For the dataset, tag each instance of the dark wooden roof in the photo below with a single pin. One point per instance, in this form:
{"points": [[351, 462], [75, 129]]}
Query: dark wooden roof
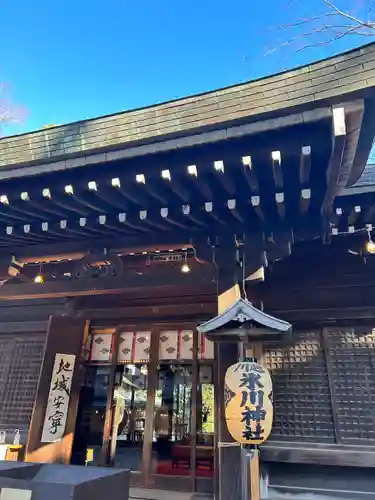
{"points": [[309, 87], [266, 158], [366, 179]]}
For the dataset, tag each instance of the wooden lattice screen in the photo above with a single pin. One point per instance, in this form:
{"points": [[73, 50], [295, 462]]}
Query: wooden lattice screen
{"points": [[351, 364], [301, 390], [20, 364]]}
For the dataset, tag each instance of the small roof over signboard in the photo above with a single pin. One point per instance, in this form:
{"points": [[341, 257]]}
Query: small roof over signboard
{"points": [[243, 319]]}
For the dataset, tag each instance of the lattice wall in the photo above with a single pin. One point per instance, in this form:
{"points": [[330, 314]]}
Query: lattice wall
{"points": [[301, 390], [351, 360], [6, 346], [20, 364]]}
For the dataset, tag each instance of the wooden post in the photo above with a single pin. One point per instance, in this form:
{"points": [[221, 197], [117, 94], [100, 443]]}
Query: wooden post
{"points": [[253, 451], [150, 410], [227, 451], [108, 430], [232, 481], [253, 473], [194, 420], [65, 337]]}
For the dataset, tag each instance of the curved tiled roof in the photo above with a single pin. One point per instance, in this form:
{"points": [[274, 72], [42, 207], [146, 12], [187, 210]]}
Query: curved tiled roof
{"points": [[327, 81]]}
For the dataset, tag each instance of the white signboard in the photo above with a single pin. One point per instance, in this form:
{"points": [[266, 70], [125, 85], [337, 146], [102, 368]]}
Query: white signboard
{"points": [[58, 399]]}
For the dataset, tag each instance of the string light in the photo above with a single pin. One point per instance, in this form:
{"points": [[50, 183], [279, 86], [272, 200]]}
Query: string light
{"points": [[39, 278], [185, 266], [370, 245]]}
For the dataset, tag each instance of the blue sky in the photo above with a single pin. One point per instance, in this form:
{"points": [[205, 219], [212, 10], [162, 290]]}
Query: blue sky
{"points": [[75, 59]]}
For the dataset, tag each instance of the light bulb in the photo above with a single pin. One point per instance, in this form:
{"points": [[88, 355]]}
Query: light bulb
{"points": [[370, 247], [185, 268], [38, 279]]}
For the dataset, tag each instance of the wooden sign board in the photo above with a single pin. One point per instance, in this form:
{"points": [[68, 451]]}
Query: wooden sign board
{"points": [[58, 399], [248, 402]]}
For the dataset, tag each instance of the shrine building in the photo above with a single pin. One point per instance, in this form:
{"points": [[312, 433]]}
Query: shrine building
{"points": [[120, 235]]}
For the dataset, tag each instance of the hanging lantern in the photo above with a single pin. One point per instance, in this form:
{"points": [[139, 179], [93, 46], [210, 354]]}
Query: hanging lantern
{"points": [[248, 402]]}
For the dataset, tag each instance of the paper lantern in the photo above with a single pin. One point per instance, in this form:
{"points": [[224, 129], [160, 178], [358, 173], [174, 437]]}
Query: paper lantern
{"points": [[248, 402]]}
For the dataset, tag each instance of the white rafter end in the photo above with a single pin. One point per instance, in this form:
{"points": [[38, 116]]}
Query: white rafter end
{"points": [[306, 194], [166, 174], [255, 201], [279, 197], [339, 127]]}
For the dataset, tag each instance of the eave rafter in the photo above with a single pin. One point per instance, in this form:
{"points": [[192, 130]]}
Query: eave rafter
{"points": [[347, 124], [209, 195], [353, 211], [259, 176]]}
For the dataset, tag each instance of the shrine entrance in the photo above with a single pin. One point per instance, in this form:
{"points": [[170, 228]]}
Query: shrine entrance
{"points": [[149, 406]]}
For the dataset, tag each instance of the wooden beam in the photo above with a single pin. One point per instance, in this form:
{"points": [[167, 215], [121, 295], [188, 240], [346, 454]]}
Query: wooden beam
{"points": [[255, 203], [254, 253], [133, 313], [222, 176], [232, 206], [196, 181], [369, 215], [334, 167], [95, 286], [277, 170], [280, 204], [310, 453], [153, 193], [325, 317], [249, 175], [335, 218], [279, 244], [354, 214], [108, 420], [227, 453], [13, 327], [121, 245], [305, 200], [175, 186], [152, 386], [305, 166]]}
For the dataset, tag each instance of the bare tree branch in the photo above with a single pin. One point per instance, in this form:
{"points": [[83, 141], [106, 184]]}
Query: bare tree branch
{"points": [[354, 19], [9, 112], [327, 27]]}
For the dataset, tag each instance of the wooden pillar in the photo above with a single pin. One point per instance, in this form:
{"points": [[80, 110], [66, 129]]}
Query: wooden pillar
{"points": [[227, 451], [146, 465], [65, 336], [253, 462], [108, 437], [194, 414]]}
